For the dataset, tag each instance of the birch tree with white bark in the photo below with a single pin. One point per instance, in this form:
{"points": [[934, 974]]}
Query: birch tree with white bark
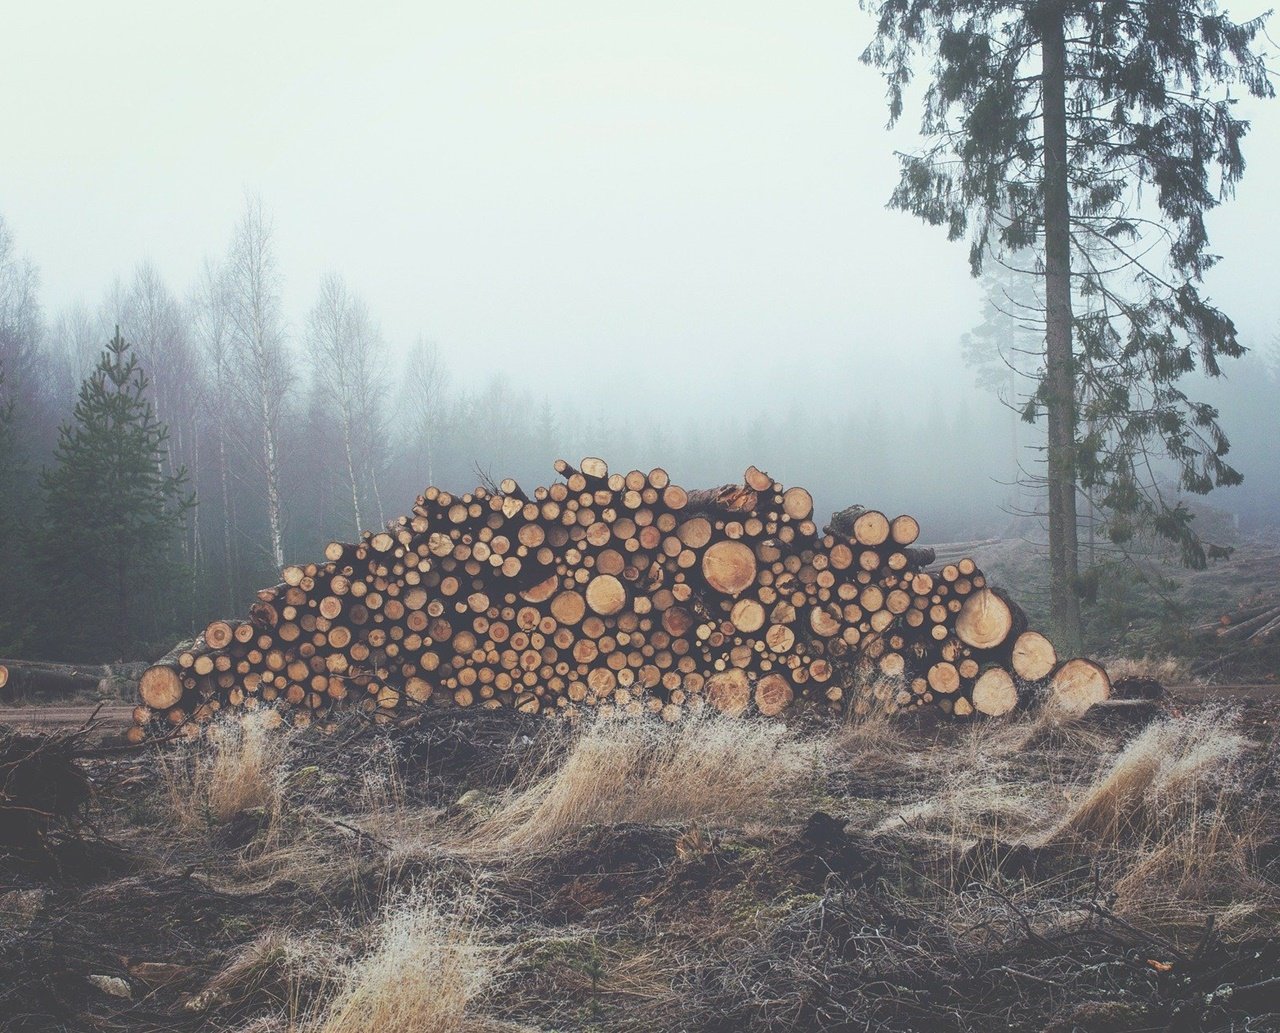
{"points": [[348, 363], [263, 370]]}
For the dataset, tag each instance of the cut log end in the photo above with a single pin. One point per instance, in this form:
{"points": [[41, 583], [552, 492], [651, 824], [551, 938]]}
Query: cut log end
{"points": [[729, 567], [773, 695], [1033, 656], [1077, 685], [160, 687], [985, 620], [994, 693], [729, 692]]}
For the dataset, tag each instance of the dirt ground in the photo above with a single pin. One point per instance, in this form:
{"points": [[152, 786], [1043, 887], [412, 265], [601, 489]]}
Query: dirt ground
{"points": [[1105, 874]]}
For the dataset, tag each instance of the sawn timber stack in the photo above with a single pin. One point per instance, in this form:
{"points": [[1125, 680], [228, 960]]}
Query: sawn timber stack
{"points": [[625, 592]]}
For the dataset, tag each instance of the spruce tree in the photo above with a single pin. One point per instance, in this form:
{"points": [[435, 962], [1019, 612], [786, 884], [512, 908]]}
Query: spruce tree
{"points": [[1094, 135], [112, 516]]}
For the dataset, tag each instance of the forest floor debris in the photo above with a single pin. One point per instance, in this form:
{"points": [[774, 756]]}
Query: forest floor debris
{"points": [[490, 871]]}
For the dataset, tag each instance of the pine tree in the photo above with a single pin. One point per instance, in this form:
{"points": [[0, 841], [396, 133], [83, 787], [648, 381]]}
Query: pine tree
{"points": [[1095, 135], [112, 515]]}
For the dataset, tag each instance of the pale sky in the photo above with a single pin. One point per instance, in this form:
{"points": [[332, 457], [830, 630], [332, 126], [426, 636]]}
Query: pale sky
{"points": [[561, 190]]}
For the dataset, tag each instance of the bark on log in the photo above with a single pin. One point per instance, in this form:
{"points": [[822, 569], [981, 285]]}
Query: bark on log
{"points": [[863, 525]]}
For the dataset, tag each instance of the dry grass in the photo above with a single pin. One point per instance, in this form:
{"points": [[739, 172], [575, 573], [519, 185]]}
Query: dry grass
{"points": [[1181, 832], [1171, 772], [719, 771], [236, 767], [277, 970], [422, 974]]}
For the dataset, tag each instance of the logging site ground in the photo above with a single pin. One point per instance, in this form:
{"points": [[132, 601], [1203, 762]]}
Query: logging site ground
{"points": [[686, 762], [488, 870]]}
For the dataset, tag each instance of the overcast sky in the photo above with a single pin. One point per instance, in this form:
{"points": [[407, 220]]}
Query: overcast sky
{"points": [[553, 189]]}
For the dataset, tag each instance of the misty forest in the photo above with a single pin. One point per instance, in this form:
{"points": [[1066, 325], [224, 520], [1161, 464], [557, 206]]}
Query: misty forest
{"points": [[287, 430], [734, 519]]}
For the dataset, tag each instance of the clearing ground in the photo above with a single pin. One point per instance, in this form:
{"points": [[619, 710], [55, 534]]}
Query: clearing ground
{"points": [[492, 871]]}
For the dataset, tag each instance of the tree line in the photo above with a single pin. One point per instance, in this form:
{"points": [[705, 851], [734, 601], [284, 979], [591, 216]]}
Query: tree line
{"points": [[1078, 146], [279, 432]]}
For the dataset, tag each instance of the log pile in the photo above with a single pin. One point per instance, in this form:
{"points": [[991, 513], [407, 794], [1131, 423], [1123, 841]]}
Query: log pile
{"points": [[621, 592], [1252, 622]]}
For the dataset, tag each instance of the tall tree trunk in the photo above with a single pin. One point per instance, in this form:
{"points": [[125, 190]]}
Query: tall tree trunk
{"points": [[273, 485], [377, 493], [351, 472], [228, 520], [1060, 371], [197, 543]]}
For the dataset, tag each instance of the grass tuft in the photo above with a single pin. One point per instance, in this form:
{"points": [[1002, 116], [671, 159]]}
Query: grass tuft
{"points": [[236, 767], [424, 970], [720, 771], [1172, 770]]}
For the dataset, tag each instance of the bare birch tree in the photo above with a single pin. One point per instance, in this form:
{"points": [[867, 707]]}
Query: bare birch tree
{"points": [[425, 381], [263, 372], [348, 365]]}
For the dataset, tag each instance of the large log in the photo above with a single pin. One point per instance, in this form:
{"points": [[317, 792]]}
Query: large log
{"points": [[1077, 685], [23, 678], [863, 525], [1033, 656], [988, 619]]}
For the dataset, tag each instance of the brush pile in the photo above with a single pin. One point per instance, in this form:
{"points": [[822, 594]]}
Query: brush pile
{"points": [[42, 789], [625, 592]]}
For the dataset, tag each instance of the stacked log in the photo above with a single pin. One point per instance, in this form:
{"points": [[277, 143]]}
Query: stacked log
{"points": [[621, 592]]}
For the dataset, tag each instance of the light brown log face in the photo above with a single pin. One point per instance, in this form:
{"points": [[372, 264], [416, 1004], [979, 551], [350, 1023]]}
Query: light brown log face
{"points": [[695, 532], [729, 567], [984, 621], [217, 635], [729, 692], [1033, 656], [160, 687], [994, 693], [944, 678], [542, 591], [606, 595], [1078, 684], [747, 615], [904, 529], [757, 480], [773, 694], [568, 608], [797, 503], [871, 528], [594, 468]]}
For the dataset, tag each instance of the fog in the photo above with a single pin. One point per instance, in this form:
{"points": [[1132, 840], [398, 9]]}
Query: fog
{"points": [[663, 231]]}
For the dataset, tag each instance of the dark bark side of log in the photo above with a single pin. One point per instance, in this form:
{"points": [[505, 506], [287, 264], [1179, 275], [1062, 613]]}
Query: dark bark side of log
{"points": [[27, 679], [920, 556]]}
